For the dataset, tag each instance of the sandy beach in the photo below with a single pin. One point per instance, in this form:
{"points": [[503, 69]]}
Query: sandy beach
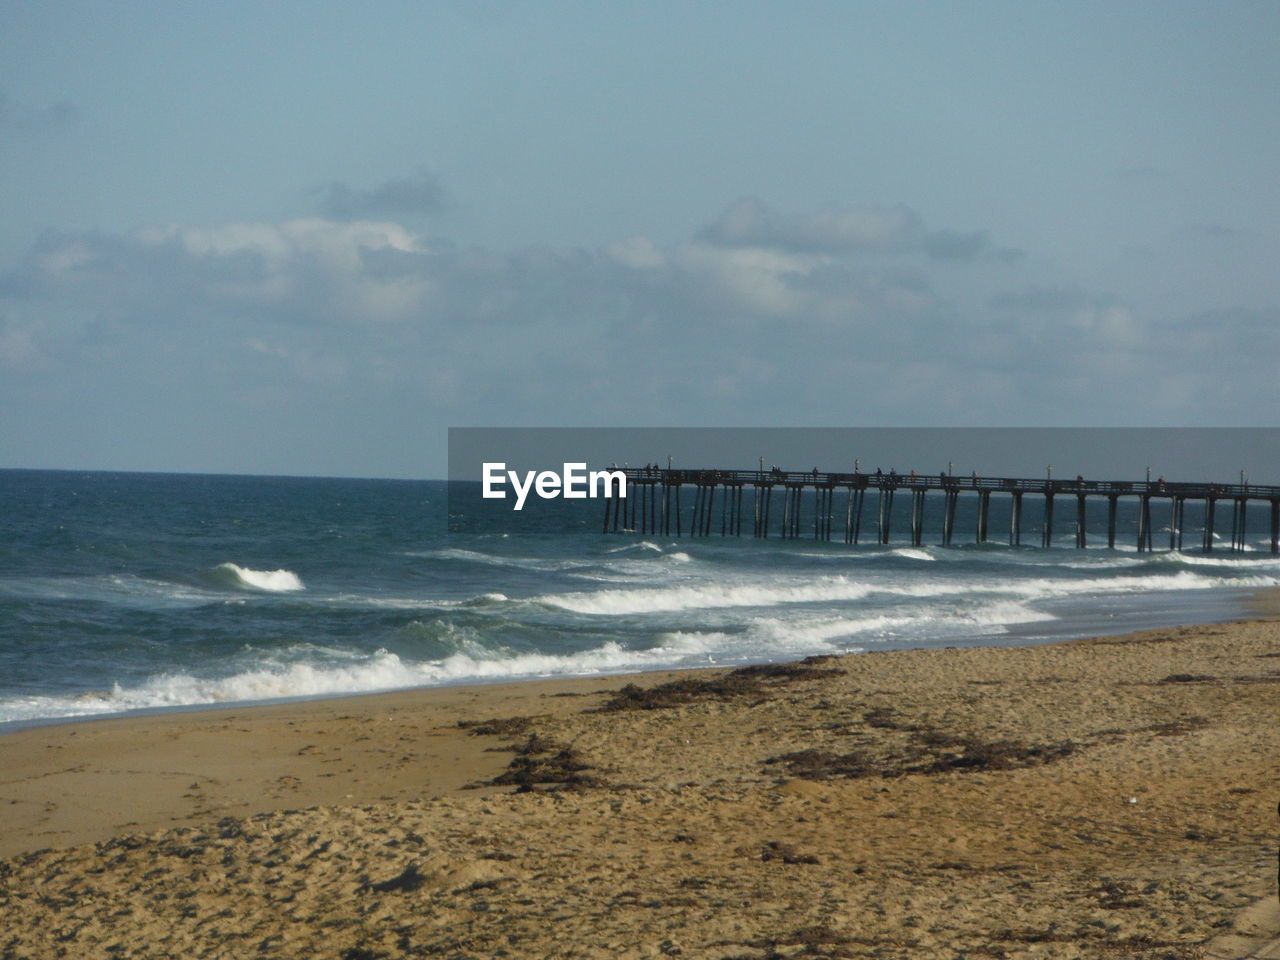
{"points": [[1102, 798]]}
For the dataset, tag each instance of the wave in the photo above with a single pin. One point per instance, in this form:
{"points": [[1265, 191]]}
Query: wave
{"points": [[1182, 579], [270, 581], [462, 555], [805, 635], [911, 553], [365, 673], [131, 590], [122, 589], [650, 551], [645, 600], [1203, 560], [962, 611], [999, 614], [306, 671], [707, 596], [633, 547], [922, 623]]}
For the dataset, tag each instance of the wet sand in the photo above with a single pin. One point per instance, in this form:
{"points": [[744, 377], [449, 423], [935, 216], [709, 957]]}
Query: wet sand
{"points": [[1103, 798]]}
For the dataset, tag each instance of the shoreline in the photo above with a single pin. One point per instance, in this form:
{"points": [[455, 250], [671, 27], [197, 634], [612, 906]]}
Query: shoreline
{"points": [[171, 767], [1240, 603], [1093, 797], [145, 742]]}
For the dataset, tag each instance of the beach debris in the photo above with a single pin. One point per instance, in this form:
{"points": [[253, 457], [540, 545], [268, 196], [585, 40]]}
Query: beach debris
{"points": [[406, 881], [757, 680], [926, 752], [499, 726], [363, 953], [823, 765], [776, 850], [544, 763]]}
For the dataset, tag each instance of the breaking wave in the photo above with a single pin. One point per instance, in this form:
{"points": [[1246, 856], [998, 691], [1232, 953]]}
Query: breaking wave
{"points": [[317, 677], [707, 596], [271, 581]]}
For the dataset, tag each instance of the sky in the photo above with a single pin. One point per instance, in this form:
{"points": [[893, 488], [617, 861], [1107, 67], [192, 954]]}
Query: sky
{"points": [[308, 238]]}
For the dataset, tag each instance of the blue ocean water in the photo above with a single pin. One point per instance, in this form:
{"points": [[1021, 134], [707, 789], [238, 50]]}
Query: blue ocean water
{"points": [[121, 592]]}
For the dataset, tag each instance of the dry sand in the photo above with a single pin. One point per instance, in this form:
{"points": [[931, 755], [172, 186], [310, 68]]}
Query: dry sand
{"points": [[1105, 798]]}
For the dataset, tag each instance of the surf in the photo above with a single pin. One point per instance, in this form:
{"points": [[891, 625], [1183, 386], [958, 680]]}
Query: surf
{"points": [[267, 581]]}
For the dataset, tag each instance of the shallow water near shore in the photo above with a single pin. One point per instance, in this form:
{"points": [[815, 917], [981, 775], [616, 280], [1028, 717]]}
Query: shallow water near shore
{"points": [[121, 592]]}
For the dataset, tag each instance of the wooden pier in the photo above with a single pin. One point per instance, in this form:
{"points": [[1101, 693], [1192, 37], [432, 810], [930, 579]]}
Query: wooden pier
{"points": [[838, 501]]}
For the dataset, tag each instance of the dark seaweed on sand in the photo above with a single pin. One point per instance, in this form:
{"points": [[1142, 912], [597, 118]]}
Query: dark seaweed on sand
{"points": [[498, 726], [929, 753], [545, 763], [754, 681]]}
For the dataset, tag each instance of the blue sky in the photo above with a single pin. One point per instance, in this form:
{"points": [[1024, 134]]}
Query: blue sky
{"points": [[307, 238]]}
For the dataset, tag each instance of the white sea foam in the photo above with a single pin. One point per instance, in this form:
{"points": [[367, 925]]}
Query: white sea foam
{"points": [[272, 581], [1001, 613], [827, 589], [1180, 579], [911, 553], [706, 596], [790, 636], [455, 554], [923, 622], [1203, 560], [381, 670], [379, 602]]}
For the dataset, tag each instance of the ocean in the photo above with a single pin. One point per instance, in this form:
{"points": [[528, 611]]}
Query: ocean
{"points": [[125, 592]]}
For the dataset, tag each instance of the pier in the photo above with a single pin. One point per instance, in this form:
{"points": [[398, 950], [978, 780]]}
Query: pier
{"points": [[819, 505]]}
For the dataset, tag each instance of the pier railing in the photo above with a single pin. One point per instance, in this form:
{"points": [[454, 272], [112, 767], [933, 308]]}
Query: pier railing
{"points": [[647, 512], [945, 481]]}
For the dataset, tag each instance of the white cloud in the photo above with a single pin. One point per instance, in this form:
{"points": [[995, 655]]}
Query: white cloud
{"points": [[292, 259], [749, 278], [337, 243], [847, 231], [807, 326]]}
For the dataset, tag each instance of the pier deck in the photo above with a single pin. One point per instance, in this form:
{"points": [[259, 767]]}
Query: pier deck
{"points": [[653, 504]]}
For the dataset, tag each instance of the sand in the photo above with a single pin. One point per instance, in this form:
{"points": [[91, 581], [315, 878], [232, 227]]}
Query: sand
{"points": [[1103, 798]]}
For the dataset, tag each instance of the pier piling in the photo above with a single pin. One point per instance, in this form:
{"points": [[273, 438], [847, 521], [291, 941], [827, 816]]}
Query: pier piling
{"points": [[917, 517]]}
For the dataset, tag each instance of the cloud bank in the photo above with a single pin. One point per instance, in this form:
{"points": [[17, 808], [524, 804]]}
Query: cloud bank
{"points": [[319, 327]]}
